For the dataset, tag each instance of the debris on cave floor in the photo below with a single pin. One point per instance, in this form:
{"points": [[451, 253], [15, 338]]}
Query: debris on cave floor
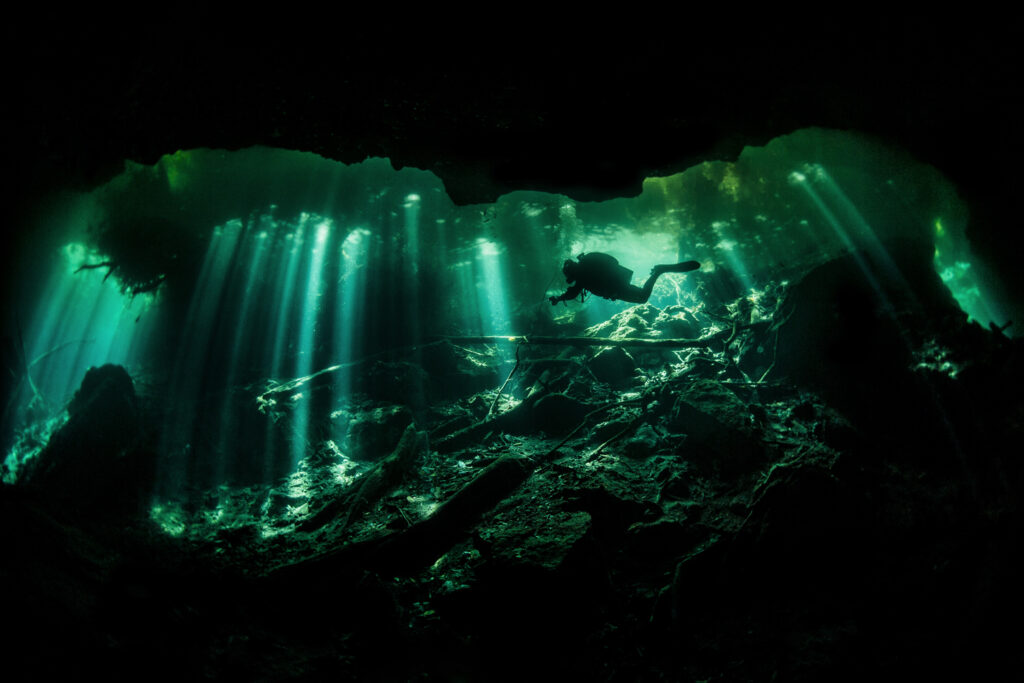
{"points": [[678, 435], [593, 498], [665, 428]]}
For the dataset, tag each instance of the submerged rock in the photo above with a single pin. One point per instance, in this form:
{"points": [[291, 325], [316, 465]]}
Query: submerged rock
{"points": [[675, 322], [716, 424], [374, 433], [92, 460], [457, 371], [613, 365], [557, 413], [542, 540], [643, 443], [856, 320]]}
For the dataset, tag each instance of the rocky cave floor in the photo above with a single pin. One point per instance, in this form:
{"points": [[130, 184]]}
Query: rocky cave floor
{"points": [[795, 496]]}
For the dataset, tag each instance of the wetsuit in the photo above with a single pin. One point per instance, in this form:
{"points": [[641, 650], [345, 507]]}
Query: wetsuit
{"points": [[602, 275]]}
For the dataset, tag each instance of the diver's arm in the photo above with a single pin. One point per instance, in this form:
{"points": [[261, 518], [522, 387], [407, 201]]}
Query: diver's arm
{"points": [[569, 295]]}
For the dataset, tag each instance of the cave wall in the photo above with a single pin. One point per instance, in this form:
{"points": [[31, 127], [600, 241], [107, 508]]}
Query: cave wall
{"points": [[530, 102]]}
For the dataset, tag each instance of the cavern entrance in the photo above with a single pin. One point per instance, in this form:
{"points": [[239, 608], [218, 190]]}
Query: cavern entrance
{"points": [[285, 310]]}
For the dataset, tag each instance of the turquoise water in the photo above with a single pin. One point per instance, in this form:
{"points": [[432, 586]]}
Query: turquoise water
{"points": [[230, 270]]}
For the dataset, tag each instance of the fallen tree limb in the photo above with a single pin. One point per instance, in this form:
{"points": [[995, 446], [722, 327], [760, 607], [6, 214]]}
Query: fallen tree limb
{"points": [[775, 355], [505, 383], [22, 371], [407, 552], [552, 452], [504, 421], [618, 435], [630, 342], [373, 485], [110, 265], [59, 347], [420, 545]]}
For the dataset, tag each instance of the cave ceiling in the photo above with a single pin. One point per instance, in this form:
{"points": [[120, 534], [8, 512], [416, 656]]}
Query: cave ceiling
{"points": [[546, 105]]}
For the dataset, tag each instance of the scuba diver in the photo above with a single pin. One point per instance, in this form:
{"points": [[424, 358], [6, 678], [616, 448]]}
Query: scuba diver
{"points": [[601, 274]]}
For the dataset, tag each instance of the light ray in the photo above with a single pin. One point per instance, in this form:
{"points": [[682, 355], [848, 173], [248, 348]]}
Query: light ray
{"points": [[349, 307], [283, 306], [254, 251], [490, 287], [179, 448], [307, 330]]}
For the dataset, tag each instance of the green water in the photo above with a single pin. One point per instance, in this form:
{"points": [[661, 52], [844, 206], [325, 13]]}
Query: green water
{"points": [[214, 270]]}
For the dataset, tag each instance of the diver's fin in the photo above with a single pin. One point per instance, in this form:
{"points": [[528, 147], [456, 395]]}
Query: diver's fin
{"points": [[684, 267]]}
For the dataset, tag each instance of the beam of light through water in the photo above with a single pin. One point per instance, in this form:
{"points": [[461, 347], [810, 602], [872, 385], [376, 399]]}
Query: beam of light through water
{"points": [[412, 233], [951, 264], [254, 253], [306, 342], [840, 232], [81, 320], [282, 307], [868, 241], [467, 309], [729, 249], [862, 233], [349, 308], [490, 290], [410, 298], [187, 383]]}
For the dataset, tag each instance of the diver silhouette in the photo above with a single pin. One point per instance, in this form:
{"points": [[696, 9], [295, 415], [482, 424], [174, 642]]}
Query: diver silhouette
{"points": [[602, 275]]}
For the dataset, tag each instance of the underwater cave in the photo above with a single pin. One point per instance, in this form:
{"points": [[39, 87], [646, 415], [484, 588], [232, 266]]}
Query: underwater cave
{"points": [[270, 415]]}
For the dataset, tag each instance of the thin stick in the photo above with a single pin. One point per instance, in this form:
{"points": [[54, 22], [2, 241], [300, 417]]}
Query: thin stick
{"points": [[631, 342], [505, 383], [25, 365], [105, 264], [57, 348], [617, 436], [583, 422], [775, 354]]}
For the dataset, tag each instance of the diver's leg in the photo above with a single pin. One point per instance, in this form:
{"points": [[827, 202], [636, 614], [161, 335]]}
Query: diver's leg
{"points": [[642, 294], [637, 295]]}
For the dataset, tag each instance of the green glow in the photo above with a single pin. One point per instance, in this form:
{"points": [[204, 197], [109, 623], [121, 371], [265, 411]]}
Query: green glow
{"points": [[350, 305], [177, 168], [954, 264], [27, 445], [294, 264], [309, 318], [81, 320], [170, 517], [492, 302]]}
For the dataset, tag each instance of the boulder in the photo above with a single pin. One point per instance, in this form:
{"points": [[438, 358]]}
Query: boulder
{"points": [[675, 322], [542, 540], [457, 372], [93, 460], [557, 413], [643, 443], [856, 320], [374, 433], [613, 365]]}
